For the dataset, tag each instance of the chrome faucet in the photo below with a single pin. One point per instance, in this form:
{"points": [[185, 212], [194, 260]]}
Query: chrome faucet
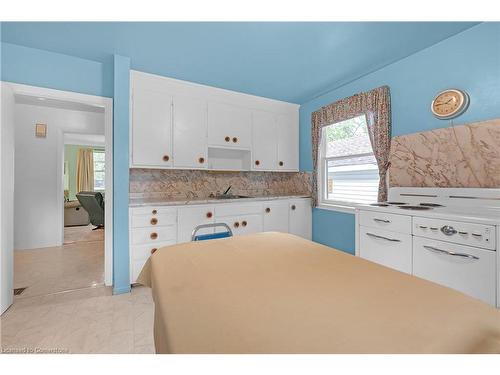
{"points": [[227, 190]]}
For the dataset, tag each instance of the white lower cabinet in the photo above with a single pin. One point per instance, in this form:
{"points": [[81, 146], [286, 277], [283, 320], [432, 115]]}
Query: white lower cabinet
{"points": [[387, 248], [152, 228], [140, 254], [244, 224], [192, 216], [467, 269], [300, 218], [276, 216]]}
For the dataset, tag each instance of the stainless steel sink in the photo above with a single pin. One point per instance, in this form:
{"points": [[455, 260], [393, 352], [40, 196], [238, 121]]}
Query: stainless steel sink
{"points": [[231, 196]]}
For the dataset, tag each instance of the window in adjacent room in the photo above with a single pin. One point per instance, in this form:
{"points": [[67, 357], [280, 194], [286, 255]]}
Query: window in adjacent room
{"points": [[349, 172], [99, 165]]}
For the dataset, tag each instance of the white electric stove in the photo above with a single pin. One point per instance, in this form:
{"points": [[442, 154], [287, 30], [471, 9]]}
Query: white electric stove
{"points": [[446, 235]]}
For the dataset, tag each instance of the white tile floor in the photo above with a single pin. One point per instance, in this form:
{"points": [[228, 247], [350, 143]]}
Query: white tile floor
{"points": [[67, 309], [90, 320]]}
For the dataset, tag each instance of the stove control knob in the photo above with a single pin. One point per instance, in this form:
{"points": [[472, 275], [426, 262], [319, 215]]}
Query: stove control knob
{"points": [[448, 230]]}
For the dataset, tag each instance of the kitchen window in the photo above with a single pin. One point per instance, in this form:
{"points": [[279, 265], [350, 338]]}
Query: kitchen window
{"points": [[348, 171], [99, 166]]}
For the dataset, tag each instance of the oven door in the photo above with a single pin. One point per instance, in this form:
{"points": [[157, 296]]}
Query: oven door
{"points": [[467, 269]]}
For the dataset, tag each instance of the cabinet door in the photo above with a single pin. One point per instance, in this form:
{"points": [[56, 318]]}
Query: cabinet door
{"points": [[151, 128], [229, 126], [288, 142], [300, 218], [264, 141], [190, 132], [276, 216], [190, 217]]}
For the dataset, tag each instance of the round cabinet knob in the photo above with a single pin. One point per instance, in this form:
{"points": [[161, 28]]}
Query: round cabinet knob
{"points": [[235, 139], [154, 212], [153, 236], [227, 139], [293, 207], [153, 250], [281, 163], [209, 215], [268, 210], [166, 158], [154, 221], [244, 223], [257, 162], [201, 160], [236, 224]]}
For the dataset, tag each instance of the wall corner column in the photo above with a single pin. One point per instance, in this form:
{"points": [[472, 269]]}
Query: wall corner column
{"points": [[121, 102]]}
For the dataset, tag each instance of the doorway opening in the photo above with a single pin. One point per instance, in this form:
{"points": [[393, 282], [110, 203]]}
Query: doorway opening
{"points": [[62, 209]]}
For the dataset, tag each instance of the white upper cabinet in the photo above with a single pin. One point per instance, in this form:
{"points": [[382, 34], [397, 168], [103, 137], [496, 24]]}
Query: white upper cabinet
{"points": [[264, 141], [190, 132], [151, 128], [288, 142], [178, 124], [229, 125]]}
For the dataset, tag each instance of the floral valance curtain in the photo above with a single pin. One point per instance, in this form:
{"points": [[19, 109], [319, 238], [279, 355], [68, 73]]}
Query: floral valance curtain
{"points": [[376, 105]]}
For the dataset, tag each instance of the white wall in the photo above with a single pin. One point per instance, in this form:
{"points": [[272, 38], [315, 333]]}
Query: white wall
{"points": [[38, 196], [6, 195]]}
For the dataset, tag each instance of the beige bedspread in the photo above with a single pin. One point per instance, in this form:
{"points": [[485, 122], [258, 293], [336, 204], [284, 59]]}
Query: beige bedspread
{"points": [[277, 293]]}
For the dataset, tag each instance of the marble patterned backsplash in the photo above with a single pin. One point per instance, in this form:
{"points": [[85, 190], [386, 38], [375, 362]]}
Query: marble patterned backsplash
{"points": [[191, 184], [459, 156]]}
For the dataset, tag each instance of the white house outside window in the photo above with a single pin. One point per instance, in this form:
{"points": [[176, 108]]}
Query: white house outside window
{"points": [[99, 167], [348, 169]]}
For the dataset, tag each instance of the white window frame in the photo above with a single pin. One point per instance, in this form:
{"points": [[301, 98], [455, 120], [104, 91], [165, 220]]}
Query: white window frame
{"points": [[104, 170], [326, 204]]}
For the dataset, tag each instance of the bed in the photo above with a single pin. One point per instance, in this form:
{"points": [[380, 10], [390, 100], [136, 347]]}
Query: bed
{"points": [[278, 293]]}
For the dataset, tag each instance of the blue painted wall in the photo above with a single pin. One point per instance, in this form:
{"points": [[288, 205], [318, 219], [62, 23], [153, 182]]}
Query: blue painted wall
{"points": [[37, 67], [469, 60], [111, 79], [121, 89]]}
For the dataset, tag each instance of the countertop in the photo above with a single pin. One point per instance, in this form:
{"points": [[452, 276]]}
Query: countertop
{"points": [[139, 202]]}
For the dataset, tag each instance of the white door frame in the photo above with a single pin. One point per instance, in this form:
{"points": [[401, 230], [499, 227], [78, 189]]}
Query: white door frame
{"points": [[6, 197], [107, 105]]}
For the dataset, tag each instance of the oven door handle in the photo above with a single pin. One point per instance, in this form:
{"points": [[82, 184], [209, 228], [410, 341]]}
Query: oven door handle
{"points": [[382, 237], [381, 220], [441, 251]]}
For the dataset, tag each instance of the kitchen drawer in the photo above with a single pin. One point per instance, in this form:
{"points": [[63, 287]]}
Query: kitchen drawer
{"points": [[238, 208], [149, 220], [153, 235], [244, 224], [464, 268], [144, 251], [388, 248], [136, 268], [385, 221], [153, 210]]}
